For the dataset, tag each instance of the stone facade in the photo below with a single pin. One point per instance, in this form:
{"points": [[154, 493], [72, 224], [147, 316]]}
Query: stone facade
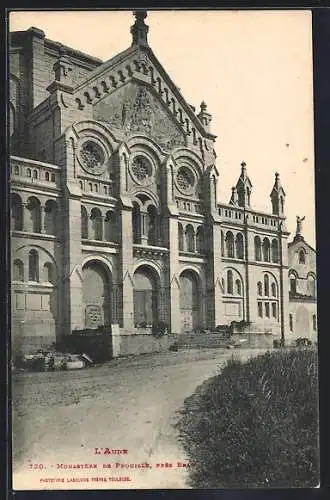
{"points": [[115, 217]]}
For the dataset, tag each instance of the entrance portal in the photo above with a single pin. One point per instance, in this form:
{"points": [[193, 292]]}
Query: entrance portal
{"points": [[189, 302], [145, 297], [96, 295]]}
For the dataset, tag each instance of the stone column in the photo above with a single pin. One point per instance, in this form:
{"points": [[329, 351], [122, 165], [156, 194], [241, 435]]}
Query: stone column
{"points": [[126, 312], [144, 227]]}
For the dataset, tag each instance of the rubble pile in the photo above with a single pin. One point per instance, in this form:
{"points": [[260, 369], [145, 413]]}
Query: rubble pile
{"points": [[51, 360]]}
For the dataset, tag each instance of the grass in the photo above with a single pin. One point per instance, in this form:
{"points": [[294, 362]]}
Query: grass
{"points": [[255, 424]]}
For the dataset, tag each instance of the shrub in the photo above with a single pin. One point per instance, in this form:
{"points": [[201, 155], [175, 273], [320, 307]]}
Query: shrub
{"points": [[255, 424]]}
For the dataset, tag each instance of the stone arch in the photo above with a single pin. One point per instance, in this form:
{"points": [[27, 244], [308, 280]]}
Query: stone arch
{"points": [[185, 155], [34, 214], [110, 226], [190, 300], [18, 270], [96, 224], [275, 251], [230, 246], [190, 238], [51, 217], [311, 284], [16, 212], [200, 239], [146, 295], [141, 144], [266, 249], [301, 256], [239, 244], [257, 248], [180, 237], [97, 288], [293, 278]]}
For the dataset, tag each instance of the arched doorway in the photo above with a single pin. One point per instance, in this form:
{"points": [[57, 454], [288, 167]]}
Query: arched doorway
{"points": [[145, 297], [190, 302], [96, 294]]}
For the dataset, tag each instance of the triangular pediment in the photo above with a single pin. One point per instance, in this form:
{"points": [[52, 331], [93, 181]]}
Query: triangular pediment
{"points": [[135, 108], [139, 64]]}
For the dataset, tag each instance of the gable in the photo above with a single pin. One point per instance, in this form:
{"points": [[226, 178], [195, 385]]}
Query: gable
{"points": [[132, 109]]}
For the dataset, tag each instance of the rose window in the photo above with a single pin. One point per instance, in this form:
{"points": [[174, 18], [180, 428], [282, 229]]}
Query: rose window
{"points": [[185, 179], [141, 168], [91, 156]]}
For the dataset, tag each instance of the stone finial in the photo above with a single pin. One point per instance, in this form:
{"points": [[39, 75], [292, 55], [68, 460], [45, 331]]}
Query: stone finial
{"points": [[204, 117], [139, 30], [277, 196]]}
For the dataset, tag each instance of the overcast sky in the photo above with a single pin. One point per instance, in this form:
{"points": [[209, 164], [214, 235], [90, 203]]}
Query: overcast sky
{"points": [[253, 69]]}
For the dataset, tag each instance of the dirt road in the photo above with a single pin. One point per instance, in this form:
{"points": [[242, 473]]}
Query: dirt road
{"points": [[60, 418]]}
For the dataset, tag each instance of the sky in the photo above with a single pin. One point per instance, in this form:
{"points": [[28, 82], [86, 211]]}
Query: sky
{"points": [[252, 68]]}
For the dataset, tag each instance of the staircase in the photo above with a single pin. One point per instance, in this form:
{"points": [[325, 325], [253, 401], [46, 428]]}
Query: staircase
{"points": [[201, 340]]}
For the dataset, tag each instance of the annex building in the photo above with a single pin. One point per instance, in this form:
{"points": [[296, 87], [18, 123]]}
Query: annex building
{"points": [[114, 212]]}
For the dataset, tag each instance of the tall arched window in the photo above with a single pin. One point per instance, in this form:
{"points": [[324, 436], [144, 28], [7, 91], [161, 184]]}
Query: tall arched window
{"points": [[200, 239], [181, 237], [302, 257], [152, 225], [266, 285], [311, 287], [18, 270], [222, 245], [293, 283], [274, 294], [275, 252], [84, 223], [230, 285], [16, 213], [239, 246], [50, 217], [110, 232], [290, 322], [33, 266], [190, 238], [259, 288], [136, 223], [238, 286], [48, 272], [34, 211], [257, 248], [266, 250], [97, 224], [230, 250]]}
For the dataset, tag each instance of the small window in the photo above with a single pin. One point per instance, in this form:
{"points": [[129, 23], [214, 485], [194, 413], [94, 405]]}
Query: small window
{"points": [[230, 282], [302, 257], [259, 288], [35, 174], [290, 322], [267, 309], [274, 294], [260, 309], [16, 170], [238, 287], [33, 266], [274, 310], [28, 172], [53, 177], [47, 176]]}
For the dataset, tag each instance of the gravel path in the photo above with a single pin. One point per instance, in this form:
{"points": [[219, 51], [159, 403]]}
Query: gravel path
{"points": [[127, 404]]}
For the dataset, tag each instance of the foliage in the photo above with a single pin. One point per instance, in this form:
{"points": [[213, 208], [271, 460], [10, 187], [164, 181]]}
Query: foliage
{"points": [[255, 424]]}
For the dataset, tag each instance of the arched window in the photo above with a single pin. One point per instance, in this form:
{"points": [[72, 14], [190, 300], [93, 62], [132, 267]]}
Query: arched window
{"points": [[110, 230], [230, 250], [266, 285], [290, 322], [136, 223], [81, 184], [259, 288], [223, 285], [181, 237], [222, 245], [53, 177], [152, 225], [34, 211], [293, 283], [311, 287], [275, 252], [200, 239], [238, 287], [314, 322], [48, 273], [274, 294], [230, 286], [28, 172], [33, 266], [267, 312], [302, 257], [190, 238], [257, 248], [97, 224], [18, 270], [47, 176], [239, 246], [266, 250], [50, 221], [84, 223], [35, 174], [16, 213], [260, 309]]}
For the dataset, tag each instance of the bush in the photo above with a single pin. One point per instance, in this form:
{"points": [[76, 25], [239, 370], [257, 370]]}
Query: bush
{"points": [[255, 424]]}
